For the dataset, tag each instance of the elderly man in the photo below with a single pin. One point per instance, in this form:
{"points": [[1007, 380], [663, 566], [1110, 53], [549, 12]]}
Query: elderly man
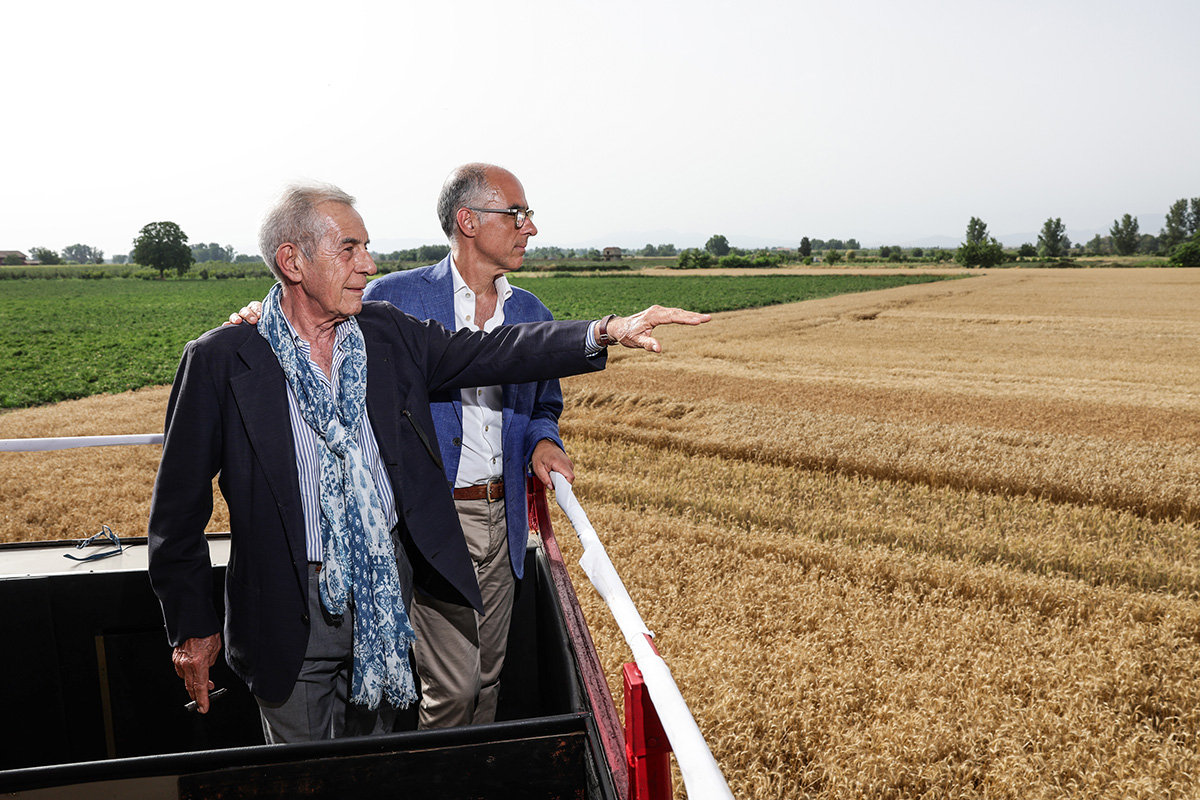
{"points": [[488, 435], [336, 494]]}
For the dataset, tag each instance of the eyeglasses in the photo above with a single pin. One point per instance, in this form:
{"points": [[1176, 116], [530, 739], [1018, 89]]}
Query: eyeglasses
{"points": [[519, 214], [105, 533]]}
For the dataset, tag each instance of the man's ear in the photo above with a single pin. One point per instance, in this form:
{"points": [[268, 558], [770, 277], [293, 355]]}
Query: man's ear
{"points": [[465, 219], [288, 258]]}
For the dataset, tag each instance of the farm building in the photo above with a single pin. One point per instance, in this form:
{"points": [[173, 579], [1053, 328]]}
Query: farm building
{"points": [[612, 254], [11, 256]]}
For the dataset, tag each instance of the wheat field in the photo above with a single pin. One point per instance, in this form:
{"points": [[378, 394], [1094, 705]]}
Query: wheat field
{"points": [[937, 541]]}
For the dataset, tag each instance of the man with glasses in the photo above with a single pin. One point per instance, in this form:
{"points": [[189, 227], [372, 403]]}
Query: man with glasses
{"points": [[488, 435], [336, 494]]}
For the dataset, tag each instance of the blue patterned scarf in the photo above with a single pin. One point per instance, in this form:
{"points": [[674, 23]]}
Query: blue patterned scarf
{"points": [[359, 561]]}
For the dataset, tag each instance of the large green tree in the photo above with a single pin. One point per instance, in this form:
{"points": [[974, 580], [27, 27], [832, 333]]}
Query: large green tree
{"points": [[718, 245], [1053, 241], [163, 246], [1125, 235], [1175, 231], [977, 232], [979, 249], [805, 247]]}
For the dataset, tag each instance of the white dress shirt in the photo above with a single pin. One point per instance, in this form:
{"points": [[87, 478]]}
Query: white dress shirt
{"points": [[482, 406]]}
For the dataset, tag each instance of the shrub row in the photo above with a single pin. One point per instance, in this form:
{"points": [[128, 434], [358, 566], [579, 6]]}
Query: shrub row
{"points": [[202, 271]]}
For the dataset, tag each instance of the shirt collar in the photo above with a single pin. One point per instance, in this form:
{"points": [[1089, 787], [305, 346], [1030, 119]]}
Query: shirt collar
{"points": [[340, 332], [503, 287]]}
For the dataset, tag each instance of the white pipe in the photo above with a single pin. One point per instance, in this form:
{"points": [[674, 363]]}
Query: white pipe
{"points": [[65, 442], [702, 777]]}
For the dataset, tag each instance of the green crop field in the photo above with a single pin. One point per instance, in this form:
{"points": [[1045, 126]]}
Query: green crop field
{"points": [[64, 339], [73, 338]]}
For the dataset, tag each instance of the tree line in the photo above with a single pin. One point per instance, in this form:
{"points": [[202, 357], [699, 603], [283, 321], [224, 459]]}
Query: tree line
{"points": [[718, 252], [163, 246], [1179, 240], [159, 234], [71, 254]]}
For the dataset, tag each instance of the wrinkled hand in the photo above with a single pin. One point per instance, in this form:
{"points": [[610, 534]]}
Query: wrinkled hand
{"points": [[635, 331], [548, 457], [192, 661], [250, 313]]}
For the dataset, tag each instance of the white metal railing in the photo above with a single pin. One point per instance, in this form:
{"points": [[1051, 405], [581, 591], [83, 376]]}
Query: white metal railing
{"points": [[702, 777], [66, 442]]}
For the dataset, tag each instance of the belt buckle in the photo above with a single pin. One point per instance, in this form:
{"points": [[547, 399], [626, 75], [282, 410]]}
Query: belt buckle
{"points": [[488, 492]]}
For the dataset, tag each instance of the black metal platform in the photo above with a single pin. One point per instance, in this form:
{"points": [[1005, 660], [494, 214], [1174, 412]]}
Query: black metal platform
{"points": [[92, 707]]}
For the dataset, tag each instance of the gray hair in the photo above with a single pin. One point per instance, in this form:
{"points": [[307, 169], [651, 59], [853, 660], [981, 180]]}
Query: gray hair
{"points": [[294, 219], [465, 187]]}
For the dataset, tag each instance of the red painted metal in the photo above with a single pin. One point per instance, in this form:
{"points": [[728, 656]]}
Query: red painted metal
{"points": [[646, 746], [599, 695]]}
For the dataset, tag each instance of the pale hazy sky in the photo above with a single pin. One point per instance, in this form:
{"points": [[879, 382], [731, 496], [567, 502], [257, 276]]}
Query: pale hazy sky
{"points": [[628, 122]]}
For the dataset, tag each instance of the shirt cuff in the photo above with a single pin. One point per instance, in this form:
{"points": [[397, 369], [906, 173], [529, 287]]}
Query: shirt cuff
{"points": [[591, 348]]}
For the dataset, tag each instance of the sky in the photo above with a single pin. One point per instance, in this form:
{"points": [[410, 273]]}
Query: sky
{"points": [[627, 122]]}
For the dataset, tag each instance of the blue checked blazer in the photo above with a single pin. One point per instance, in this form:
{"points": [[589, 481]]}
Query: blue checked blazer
{"points": [[531, 410]]}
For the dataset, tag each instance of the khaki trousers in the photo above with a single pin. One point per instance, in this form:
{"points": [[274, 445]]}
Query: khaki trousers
{"points": [[459, 652]]}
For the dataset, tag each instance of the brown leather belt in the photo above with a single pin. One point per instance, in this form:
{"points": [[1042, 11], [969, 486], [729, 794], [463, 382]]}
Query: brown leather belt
{"points": [[491, 491]]}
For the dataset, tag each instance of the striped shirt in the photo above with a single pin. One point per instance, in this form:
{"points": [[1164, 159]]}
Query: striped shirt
{"points": [[309, 448]]}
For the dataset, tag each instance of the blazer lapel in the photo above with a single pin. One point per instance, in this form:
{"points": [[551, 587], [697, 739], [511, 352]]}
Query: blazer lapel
{"points": [[261, 395], [438, 296], [383, 406]]}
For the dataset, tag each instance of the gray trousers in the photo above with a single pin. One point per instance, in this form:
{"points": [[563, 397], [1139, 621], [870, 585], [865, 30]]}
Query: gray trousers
{"points": [[460, 653], [318, 707]]}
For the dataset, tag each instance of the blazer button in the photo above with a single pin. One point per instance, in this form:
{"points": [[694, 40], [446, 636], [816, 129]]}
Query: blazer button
{"points": [[457, 441], [304, 618]]}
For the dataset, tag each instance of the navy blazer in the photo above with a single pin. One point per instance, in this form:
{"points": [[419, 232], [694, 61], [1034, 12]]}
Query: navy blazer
{"points": [[228, 416], [530, 410]]}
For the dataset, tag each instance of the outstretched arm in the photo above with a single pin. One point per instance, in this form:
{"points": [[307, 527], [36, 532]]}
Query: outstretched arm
{"points": [[631, 331], [635, 331]]}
